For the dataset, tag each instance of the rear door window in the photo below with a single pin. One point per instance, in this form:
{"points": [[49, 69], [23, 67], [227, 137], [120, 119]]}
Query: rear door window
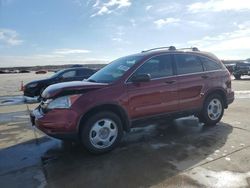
{"points": [[188, 63], [210, 65]]}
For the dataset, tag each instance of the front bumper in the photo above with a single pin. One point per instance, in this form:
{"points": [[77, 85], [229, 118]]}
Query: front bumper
{"points": [[56, 123], [230, 98]]}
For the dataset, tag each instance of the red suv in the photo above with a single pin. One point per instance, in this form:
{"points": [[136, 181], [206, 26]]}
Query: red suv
{"points": [[162, 82]]}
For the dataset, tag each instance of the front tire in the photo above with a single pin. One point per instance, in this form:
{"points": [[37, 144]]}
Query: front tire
{"points": [[212, 111], [102, 132]]}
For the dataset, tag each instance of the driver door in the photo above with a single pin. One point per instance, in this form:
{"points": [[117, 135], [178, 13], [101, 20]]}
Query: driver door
{"points": [[157, 96]]}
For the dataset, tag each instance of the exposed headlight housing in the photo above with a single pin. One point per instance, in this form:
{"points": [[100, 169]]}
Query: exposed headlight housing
{"points": [[63, 102]]}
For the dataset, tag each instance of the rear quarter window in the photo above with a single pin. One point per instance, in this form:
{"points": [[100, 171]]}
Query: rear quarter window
{"points": [[210, 65]]}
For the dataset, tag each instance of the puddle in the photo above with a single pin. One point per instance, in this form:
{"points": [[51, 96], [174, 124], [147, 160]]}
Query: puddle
{"points": [[29, 154], [159, 145], [210, 178], [140, 133], [15, 100]]}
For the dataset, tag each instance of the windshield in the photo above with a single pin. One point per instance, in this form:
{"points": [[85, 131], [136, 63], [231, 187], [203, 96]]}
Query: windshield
{"points": [[114, 70]]}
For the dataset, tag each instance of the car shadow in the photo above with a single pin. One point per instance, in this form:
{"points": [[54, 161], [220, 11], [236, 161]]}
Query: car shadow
{"points": [[146, 157]]}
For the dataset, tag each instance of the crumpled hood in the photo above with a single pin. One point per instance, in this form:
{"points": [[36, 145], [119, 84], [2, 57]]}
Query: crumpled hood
{"points": [[70, 87]]}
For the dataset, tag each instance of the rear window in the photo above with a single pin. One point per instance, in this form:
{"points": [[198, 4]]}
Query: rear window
{"points": [[210, 65], [187, 63]]}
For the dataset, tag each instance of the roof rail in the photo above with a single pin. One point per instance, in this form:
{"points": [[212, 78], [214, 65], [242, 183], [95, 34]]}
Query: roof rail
{"points": [[195, 49], [168, 48]]}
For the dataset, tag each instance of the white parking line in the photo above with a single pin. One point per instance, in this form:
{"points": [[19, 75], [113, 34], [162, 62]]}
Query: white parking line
{"points": [[242, 94]]}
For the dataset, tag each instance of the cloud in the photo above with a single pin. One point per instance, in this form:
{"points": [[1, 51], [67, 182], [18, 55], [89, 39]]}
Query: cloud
{"points": [[198, 24], [219, 5], [118, 3], [96, 3], [184, 23], [235, 42], [117, 39], [169, 7], [78, 3], [148, 7], [9, 37], [109, 7], [133, 22], [103, 10], [67, 51], [162, 22]]}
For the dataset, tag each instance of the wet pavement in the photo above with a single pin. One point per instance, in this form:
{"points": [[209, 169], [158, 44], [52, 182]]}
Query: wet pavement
{"points": [[143, 161], [165, 155], [183, 153], [15, 100]]}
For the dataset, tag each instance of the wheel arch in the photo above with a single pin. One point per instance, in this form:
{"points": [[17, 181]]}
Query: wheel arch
{"points": [[220, 92], [115, 108]]}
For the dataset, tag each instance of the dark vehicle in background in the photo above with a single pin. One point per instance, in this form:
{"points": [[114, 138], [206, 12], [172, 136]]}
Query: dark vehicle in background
{"points": [[241, 69], [24, 71], [35, 88], [157, 83], [230, 67]]}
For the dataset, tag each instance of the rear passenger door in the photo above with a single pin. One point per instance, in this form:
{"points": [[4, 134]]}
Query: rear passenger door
{"points": [[192, 81], [214, 72], [157, 96]]}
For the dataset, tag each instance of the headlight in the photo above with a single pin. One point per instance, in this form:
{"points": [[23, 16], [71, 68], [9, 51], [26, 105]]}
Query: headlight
{"points": [[32, 85], [62, 102]]}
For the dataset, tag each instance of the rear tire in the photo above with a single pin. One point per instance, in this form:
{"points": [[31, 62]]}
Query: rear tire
{"points": [[102, 132], [212, 111]]}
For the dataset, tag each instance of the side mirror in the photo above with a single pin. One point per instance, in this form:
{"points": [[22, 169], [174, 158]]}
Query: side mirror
{"points": [[141, 78]]}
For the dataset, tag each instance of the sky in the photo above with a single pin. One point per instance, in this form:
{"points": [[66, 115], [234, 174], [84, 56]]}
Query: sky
{"points": [[42, 32]]}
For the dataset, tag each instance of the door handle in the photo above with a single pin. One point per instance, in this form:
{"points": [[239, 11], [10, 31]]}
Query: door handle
{"points": [[204, 76], [170, 81]]}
